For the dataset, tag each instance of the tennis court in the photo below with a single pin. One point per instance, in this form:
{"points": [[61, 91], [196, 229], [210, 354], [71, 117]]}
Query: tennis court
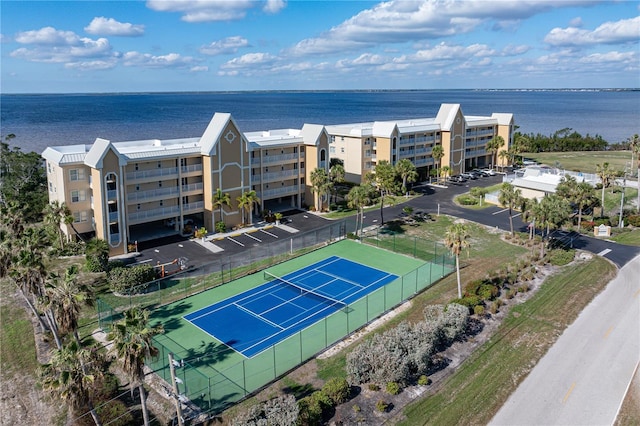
{"points": [[235, 338], [256, 319]]}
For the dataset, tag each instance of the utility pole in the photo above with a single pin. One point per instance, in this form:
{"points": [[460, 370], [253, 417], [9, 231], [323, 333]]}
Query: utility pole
{"points": [[176, 395]]}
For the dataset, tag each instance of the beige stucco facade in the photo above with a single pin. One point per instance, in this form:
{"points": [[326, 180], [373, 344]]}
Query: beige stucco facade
{"points": [[120, 191]]}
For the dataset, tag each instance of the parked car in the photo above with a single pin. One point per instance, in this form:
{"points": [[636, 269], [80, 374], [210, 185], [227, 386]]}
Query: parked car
{"points": [[489, 172], [172, 222], [469, 175], [457, 178]]}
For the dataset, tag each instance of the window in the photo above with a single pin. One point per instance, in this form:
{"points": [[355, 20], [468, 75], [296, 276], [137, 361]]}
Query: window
{"points": [[136, 167], [342, 150], [76, 174], [77, 196], [137, 187], [367, 153], [80, 217], [367, 141], [295, 149], [161, 203], [49, 167], [50, 187], [333, 139], [138, 206], [332, 150], [159, 164], [159, 184]]}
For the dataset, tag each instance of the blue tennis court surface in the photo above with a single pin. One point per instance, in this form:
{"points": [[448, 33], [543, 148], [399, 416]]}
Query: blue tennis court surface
{"points": [[255, 320]]}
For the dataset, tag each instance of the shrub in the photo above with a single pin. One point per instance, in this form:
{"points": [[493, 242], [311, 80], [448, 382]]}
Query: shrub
{"points": [[478, 310], [467, 200], [115, 413], [633, 220], [374, 387], [601, 221], [423, 380], [220, 226], [131, 280], [469, 301], [488, 291], [523, 288], [356, 408], [393, 388], [472, 287], [511, 293], [381, 406], [201, 232], [337, 390], [311, 408], [282, 410], [559, 257]]}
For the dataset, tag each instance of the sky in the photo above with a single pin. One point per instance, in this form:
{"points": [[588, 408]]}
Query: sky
{"points": [[226, 45]]}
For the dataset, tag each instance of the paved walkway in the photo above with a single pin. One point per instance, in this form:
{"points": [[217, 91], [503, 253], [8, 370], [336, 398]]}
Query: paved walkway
{"points": [[584, 377]]}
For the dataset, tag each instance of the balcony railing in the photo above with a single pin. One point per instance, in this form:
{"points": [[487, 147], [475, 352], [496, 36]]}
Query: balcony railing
{"points": [[114, 239], [193, 187], [153, 193], [277, 192], [112, 194], [113, 217], [193, 207], [147, 215], [276, 176], [150, 174], [191, 168], [268, 159]]}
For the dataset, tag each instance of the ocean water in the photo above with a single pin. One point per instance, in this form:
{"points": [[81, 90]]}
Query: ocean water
{"points": [[66, 119]]}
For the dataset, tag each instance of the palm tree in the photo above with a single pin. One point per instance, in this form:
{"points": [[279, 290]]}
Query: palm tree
{"points": [[529, 209], [385, 178], [221, 199], [579, 194], [336, 175], [52, 218], [634, 146], [133, 342], [359, 197], [493, 146], [506, 157], [407, 172], [67, 297], [444, 171], [456, 240], [437, 153], [551, 212], [605, 174], [246, 202], [70, 375], [510, 197], [97, 255], [319, 185]]}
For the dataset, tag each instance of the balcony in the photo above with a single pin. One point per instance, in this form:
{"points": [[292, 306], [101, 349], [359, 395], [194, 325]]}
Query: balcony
{"points": [[113, 217], [276, 176], [193, 169], [159, 193], [419, 162], [283, 158], [142, 175], [114, 239], [196, 207], [155, 214], [112, 195], [268, 194]]}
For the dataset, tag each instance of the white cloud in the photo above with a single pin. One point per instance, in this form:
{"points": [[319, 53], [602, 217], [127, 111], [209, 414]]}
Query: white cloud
{"points": [[400, 21], [48, 36], [623, 31], [109, 26], [213, 10], [56, 46], [199, 69], [225, 46], [92, 65], [274, 6], [576, 22], [146, 60]]}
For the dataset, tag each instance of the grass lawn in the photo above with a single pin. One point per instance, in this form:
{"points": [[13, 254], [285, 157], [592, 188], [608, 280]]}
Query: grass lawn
{"points": [[17, 345], [484, 382], [487, 253], [630, 238], [584, 161]]}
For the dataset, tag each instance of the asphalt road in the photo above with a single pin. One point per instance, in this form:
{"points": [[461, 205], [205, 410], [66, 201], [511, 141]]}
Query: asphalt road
{"points": [[584, 377]]}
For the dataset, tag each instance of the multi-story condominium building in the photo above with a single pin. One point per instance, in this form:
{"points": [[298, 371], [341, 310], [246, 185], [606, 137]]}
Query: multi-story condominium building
{"points": [[127, 191], [463, 139]]}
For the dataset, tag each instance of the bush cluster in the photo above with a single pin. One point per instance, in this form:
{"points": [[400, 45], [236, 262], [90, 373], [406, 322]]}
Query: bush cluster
{"points": [[560, 257], [282, 410], [403, 353], [633, 219], [130, 280], [467, 200]]}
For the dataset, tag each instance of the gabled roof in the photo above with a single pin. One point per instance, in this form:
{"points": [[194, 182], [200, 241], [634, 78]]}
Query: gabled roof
{"points": [[384, 128], [446, 115], [213, 132], [66, 154], [98, 151], [504, 119], [311, 133]]}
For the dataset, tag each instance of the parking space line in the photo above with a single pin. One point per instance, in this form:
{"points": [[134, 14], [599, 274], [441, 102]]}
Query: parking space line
{"points": [[499, 211], [251, 236], [269, 233], [237, 242]]}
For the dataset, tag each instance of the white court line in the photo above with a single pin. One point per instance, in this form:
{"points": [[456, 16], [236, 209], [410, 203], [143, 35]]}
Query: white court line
{"points": [[253, 314], [500, 211], [237, 242], [603, 252]]}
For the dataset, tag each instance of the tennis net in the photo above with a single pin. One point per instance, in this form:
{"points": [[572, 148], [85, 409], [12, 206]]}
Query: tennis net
{"points": [[268, 276]]}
